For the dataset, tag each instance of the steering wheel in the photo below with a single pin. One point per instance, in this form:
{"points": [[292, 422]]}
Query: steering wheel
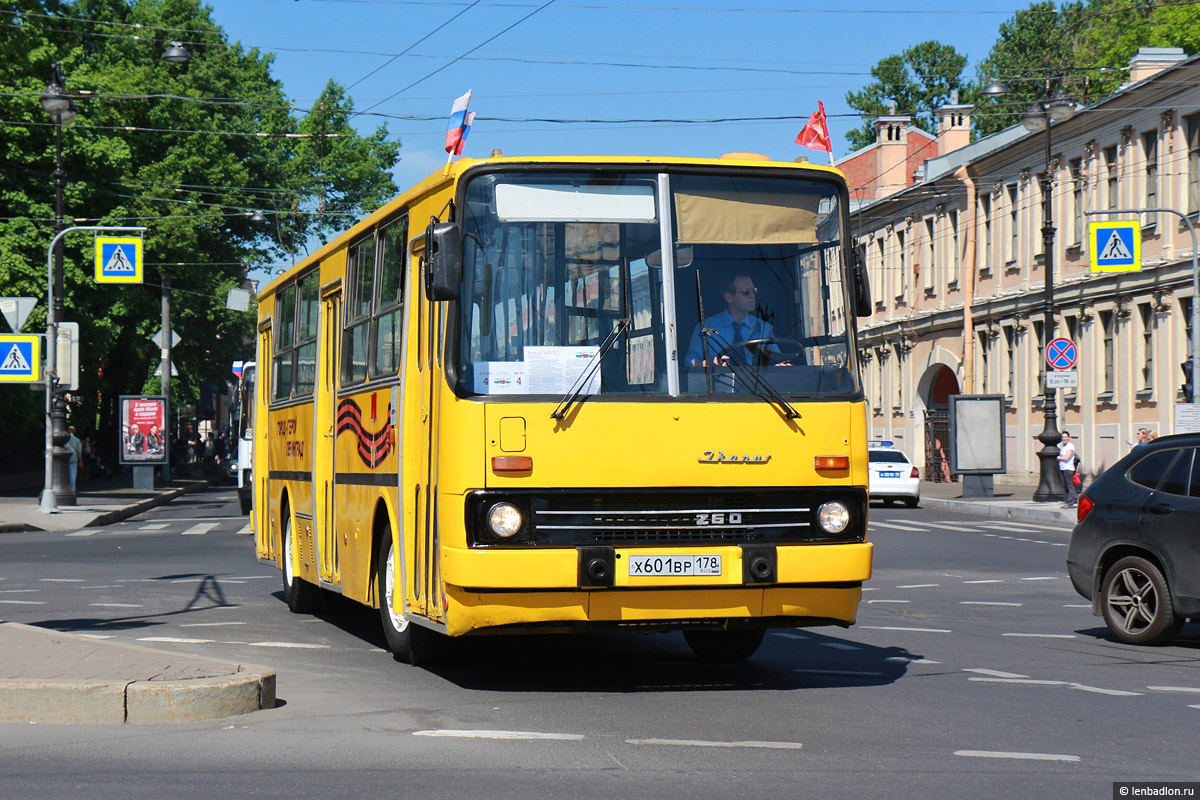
{"points": [[786, 348]]}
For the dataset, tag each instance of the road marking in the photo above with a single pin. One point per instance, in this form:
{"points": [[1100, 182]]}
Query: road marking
{"points": [[919, 586], [1017, 526], [1098, 690], [911, 660], [208, 624], [254, 577], [1042, 578], [849, 672], [94, 635], [790, 635], [987, 603], [701, 743], [897, 526], [1042, 635], [83, 533], [98, 587], [18, 591], [1174, 688], [24, 602], [62, 580], [957, 527], [1029, 756], [295, 645], [870, 602], [1078, 605], [840, 646], [174, 640], [116, 605], [200, 530], [991, 580], [995, 673], [569, 737], [897, 628], [155, 526], [1029, 681], [246, 529]]}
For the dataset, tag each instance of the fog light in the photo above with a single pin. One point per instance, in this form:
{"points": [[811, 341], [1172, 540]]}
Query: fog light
{"points": [[833, 517], [505, 520]]}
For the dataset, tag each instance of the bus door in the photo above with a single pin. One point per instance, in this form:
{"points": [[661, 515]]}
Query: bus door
{"points": [[419, 465], [264, 542], [325, 416]]}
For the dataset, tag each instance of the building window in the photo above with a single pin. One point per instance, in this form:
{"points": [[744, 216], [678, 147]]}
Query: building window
{"points": [[1146, 312], [881, 264], [985, 372], [1150, 152], [902, 277], [1192, 127], [1039, 357], [1112, 176], [1072, 326], [1014, 229], [1075, 167], [954, 259], [927, 256], [985, 213], [1010, 354], [1109, 376]]}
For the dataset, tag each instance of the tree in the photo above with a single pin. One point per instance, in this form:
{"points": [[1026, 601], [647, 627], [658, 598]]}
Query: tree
{"points": [[177, 148], [1034, 45], [918, 80]]}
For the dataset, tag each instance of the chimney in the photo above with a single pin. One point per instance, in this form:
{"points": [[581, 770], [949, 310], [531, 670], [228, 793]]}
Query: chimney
{"points": [[1149, 61], [953, 125], [891, 136]]}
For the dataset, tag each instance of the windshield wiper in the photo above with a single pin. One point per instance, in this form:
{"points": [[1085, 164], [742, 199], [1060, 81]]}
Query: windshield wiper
{"points": [[755, 380], [623, 325]]}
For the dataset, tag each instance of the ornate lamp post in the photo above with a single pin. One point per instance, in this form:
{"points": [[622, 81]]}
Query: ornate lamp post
{"points": [[58, 489], [1039, 117]]}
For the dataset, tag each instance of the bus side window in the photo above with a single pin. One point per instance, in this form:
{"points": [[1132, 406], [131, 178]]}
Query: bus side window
{"points": [[388, 317]]}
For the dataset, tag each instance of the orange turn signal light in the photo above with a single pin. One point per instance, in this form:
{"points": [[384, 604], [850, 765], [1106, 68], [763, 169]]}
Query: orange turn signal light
{"points": [[831, 462], [512, 463]]}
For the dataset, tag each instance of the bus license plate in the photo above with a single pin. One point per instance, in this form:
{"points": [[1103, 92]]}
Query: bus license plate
{"points": [[674, 566]]}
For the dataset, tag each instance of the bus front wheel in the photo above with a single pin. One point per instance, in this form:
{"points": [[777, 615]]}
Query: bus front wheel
{"points": [[300, 595], [408, 642], [724, 645]]}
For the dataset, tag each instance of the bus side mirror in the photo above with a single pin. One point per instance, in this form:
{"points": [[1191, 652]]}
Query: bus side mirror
{"points": [[443, 260], [862, 284]]}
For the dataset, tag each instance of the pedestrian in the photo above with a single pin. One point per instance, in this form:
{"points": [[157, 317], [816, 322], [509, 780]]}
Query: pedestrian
{"points": [[1067, 466], [1140, 439], [1151, 436], [76, 447]]}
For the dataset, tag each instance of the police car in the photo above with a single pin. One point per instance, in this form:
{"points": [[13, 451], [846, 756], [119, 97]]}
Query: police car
{"points": [[891, 475]]}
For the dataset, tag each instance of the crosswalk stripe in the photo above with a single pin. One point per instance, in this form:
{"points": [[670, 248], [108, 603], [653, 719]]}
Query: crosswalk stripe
{"points": [[198, 530], [897, 526], [246, 529]]}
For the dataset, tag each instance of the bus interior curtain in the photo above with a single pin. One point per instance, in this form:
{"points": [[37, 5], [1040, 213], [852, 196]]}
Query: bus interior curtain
{"points": [[727, 217]]}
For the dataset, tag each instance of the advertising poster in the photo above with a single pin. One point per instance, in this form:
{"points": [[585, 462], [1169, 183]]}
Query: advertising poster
{"points": [[143, 438]]}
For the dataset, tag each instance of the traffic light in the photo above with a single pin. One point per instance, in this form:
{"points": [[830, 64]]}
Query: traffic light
{"points": [[1187, 381]]}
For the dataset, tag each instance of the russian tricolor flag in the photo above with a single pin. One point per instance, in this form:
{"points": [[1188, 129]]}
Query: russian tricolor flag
{"points": [[460, 125]]}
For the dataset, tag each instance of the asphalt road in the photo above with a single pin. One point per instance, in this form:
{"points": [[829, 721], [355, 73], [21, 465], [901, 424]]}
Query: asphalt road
{"points": [[974, 670]]}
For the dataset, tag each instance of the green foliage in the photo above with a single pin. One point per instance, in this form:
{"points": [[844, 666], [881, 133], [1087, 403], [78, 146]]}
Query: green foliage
{"points": [[918, 80], [162, 146]]}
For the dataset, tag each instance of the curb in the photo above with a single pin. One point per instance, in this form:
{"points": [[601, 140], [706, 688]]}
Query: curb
{"points": [[236, 689], [117, 514], [996, 510]]}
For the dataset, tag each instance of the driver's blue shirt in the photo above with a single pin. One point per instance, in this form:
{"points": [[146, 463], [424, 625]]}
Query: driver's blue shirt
{"points": [[722, 323]]}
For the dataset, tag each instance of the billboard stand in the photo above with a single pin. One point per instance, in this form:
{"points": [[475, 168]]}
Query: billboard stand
{"points": [[143, 478], [978, 486], [977, 441]]}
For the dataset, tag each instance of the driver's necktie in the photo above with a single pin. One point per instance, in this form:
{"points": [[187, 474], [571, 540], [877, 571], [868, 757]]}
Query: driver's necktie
{"points": [[739, 335]]}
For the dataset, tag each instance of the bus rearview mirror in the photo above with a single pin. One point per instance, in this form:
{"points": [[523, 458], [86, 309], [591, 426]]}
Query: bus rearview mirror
{"points": [[443, 261]]}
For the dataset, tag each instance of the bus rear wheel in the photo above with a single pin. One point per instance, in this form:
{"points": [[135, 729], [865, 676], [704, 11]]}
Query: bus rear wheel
{"points": [[300, 595], [726, 646], [408, 642]]}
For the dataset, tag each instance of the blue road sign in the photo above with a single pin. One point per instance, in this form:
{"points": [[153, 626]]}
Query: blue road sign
{"points": [[1062, 354], [1116, 246], [21, 358], [118, 260]]}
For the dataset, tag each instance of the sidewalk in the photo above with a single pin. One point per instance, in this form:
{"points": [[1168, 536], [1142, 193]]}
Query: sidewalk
{"points": [[1010, 501], [51, 676], [100, 502]]}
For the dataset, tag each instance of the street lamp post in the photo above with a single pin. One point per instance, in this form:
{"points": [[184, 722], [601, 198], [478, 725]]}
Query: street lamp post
{"points": [[62, 110], [1037, 118]]}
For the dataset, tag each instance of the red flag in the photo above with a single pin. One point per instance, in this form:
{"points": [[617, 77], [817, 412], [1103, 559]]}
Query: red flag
{"points": [[815, 135]]}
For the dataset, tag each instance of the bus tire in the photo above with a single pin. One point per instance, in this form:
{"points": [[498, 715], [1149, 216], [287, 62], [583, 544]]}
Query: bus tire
{"points": [[726, 646], [408, 642], [301, 596]]}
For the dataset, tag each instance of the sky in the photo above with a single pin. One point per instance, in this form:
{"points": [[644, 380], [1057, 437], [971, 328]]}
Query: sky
{"points": [[549, 78]]}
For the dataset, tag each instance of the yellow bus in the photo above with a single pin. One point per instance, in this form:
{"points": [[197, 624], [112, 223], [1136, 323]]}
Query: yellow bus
{"points": [[562, 394]]}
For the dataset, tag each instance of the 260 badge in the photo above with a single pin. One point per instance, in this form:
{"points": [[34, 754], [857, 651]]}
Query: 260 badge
{"points": [[674, 565]]}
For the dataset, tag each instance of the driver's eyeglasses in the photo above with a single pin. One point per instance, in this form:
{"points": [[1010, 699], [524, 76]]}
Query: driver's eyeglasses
{"points": [[745, 292]]}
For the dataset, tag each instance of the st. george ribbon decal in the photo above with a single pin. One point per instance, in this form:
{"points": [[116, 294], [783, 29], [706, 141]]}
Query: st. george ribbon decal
{"points": [[373, 446]]}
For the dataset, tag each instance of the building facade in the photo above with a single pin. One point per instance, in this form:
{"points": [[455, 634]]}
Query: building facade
{"points": [[957, 273]]}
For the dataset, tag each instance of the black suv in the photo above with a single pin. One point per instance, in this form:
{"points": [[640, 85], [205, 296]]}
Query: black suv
{"points": [[1135, 552]]}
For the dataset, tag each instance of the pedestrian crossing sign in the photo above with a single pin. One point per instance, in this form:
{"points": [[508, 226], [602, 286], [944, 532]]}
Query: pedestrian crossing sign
{"points": [[21, 358], [1116, 246], [118, 259]]}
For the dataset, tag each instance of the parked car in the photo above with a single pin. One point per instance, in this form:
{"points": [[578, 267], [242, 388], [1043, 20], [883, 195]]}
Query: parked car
{"points": [[1135, 552], [891, 475]]}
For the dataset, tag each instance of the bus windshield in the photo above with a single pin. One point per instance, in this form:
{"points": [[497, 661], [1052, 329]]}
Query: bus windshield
{"points": [[750, 287]]}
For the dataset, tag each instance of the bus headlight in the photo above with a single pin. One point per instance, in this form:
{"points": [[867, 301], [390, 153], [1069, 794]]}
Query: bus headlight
{"points": [[505, 520], [833, 517]]}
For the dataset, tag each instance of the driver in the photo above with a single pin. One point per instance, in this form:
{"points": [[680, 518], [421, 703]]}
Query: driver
{"points": [[737, 323]]}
